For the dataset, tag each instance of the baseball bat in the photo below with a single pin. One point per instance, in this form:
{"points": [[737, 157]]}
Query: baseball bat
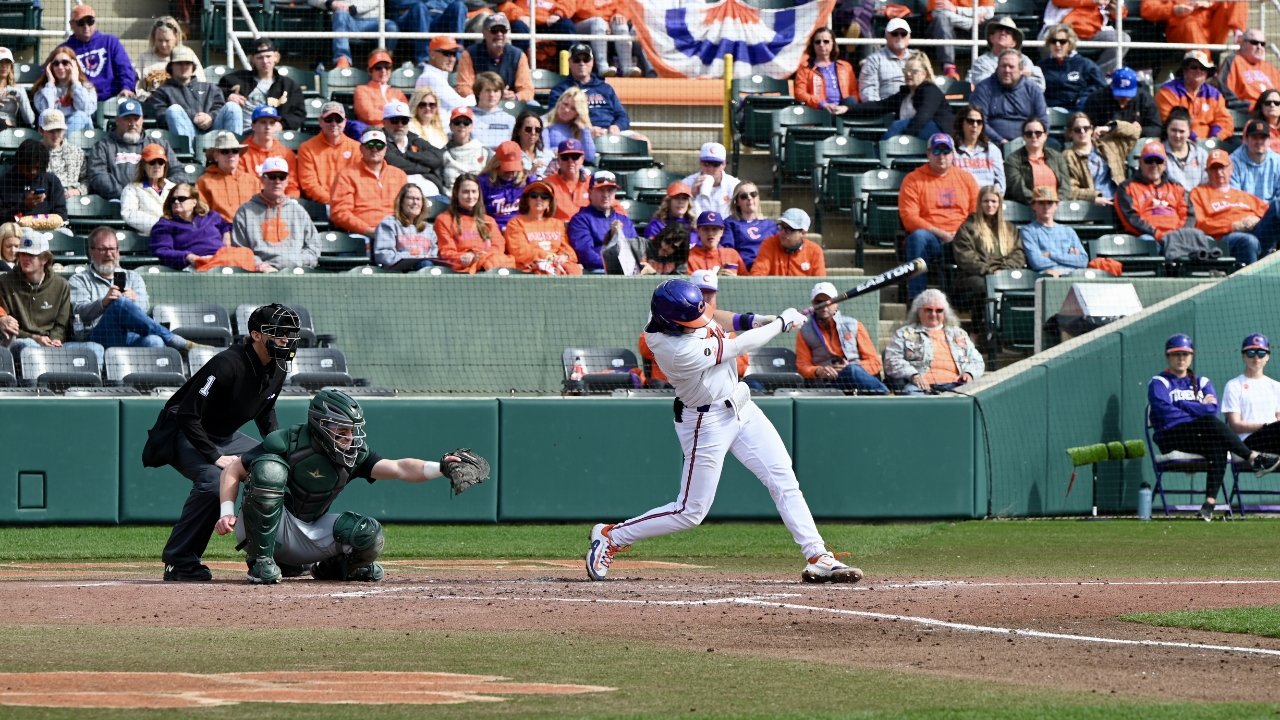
{"points": [[893, 276]]}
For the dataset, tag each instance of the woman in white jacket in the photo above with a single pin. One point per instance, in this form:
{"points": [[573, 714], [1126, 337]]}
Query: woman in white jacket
{"points": [[142, 201]]}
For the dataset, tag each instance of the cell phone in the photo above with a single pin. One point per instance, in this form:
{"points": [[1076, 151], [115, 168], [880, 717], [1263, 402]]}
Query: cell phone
{"points": [[39, 191], [121, 279]]}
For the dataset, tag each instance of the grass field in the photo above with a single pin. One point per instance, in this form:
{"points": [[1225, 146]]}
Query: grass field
{"points": [[656, 680]]}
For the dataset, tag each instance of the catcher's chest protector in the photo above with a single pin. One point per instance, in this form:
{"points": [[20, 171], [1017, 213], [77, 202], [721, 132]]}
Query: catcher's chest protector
{"points": [[314, 481]]}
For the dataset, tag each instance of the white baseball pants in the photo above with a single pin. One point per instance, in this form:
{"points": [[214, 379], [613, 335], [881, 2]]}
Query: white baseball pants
{"points": [[705, 438]]}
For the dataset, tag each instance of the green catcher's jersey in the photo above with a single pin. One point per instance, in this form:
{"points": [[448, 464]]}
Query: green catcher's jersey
{"points": [[314, 481]]}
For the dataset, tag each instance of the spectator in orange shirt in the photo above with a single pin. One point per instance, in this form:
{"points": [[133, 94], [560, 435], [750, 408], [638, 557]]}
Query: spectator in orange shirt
{"points": [[934, 202], [837, 350], [947, 20], [225, 184], [1226, 213], [790, 253], [495, 55], [570, 183], [536, 239], [323, 156], [1153, 207], [1246, 74], [469, 240], [373, 96], [709, 254], [1267, 109], [1197, 22], [365, 192], [1205, 103], [262, 144], [823, 81]]}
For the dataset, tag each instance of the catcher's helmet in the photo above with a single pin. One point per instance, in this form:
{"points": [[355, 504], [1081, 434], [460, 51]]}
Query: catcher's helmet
{"points": [[677, 304], [337, 424], [278, 321], [1179, 343]]}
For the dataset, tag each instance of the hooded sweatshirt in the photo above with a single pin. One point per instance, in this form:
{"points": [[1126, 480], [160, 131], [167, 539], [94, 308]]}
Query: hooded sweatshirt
{"points": [[106, 63], [282, 236], [1154, 210], [501, 199], [43, 309], [114, 162], [588, 230], [360, 200], [393, 242], [172, 240], [194, 98], [1262, 180]]}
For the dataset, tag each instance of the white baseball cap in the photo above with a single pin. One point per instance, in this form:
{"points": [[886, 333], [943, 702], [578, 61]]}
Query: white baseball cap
{"points": [[796, 219], [396, 109], [713, 152], [6, 54], [823, 288], [897, 24], [705, 279], [373, 134], [274, 164], [33, 243]]}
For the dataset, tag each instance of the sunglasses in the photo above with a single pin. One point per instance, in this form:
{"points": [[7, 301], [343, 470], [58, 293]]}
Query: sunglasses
{"points": [[581, 59], [276, 176], [1032, 133], [86, 22], [938, 311], [61, 63], [398, 120], [539, 196], [430, 106], [181, 199], [571, 157], [1153, 161], [233, 151], [375, 145], [1253, 352], [531, 129], [333, 119], [747, 194], [1271, 103], [460, 121], [157, 161], [1059, 41], [942, 150], [448, 53], [499, 30], [1255, 42], [975, 121], [380, 67], [1082, 128], [900, 33]]}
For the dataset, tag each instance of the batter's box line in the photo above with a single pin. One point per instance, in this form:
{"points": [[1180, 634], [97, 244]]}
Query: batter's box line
{"points": [[1006, 631]]}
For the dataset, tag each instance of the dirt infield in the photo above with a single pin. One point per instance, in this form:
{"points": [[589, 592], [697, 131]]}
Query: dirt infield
{"points": [[1052, 634]]}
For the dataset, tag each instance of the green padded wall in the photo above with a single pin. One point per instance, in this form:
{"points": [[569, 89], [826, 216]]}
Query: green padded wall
{"points": [[483, 334], [1016, 433], [60, 461], [891, 457]]}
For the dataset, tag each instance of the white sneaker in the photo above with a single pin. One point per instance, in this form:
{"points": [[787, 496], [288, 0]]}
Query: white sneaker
{"points": [[826, 568], [609, 71], [634, 72], [600, 556]]}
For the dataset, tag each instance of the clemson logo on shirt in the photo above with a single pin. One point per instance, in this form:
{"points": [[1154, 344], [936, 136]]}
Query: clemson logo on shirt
{"points": [[275, 230], [947, 197], [346, 155]]}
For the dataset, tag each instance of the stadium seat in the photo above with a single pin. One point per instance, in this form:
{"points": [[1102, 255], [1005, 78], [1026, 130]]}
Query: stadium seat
{"points": [[781, 122], [293, 139], [305, 79], [316, 368], [155, 269], [198, 356], [903, 152], [870, 129], [754, 100], [193, 171], [1026, 14], [214, 73], [515, 107], [619, 153], [1229, 145], [213, 25], [640, 214], [180, 144], [543, 82], [313, 106], [1224, 264], [650, 185], [224, 270], [1010, 312], [144, 368], [86, 212], [135, 250], [202, 323], [85, 139], [798, 154], [875, 192], [26, 73], [436, 204], [340, 251], [59, 368], [956, 91], [1182, 462], [11, 138], [340, 84], [22, 15], [836, 161], [774, 368], [607, 369], [294, 17], [8, 374], [1058, 122], [68, 249], [405, 78], [318, 212], [1087, 219], [106, 114], [1139, 258], [367, 270]]}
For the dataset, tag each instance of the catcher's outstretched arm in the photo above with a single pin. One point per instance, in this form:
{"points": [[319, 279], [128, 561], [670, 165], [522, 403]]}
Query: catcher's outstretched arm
{"points": [[408, 469]]}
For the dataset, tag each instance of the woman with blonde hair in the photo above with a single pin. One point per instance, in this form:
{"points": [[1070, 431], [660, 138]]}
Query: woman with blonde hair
{"points": [[65, 87], [186, 231], [10, 238], [15, 108], [985, 244], [166, 34], [426, 122], [920, 108], [536, 239], [405, 240], [570, 118]]}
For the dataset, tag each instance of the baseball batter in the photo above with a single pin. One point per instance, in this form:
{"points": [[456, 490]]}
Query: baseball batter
{"points": [[714, 415]]}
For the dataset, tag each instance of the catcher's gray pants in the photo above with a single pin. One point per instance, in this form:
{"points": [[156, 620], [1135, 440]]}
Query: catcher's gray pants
{"points": [[299, 543]]}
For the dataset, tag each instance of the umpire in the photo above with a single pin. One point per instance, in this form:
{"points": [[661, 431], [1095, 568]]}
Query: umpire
{"points": [[198, 429]]}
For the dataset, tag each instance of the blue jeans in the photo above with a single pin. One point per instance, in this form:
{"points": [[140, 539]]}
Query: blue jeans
{"points": [[1267, 228], [854, 377], [343, 22], [920, 244], [179, 122], [123, 324], [915, 390], [897, 127], [448, 16], [79, 121], [1244, 246]]}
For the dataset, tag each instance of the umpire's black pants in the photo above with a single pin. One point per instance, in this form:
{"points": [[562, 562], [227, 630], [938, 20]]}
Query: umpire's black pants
{"points": [[191, 535], [1207, 436]]}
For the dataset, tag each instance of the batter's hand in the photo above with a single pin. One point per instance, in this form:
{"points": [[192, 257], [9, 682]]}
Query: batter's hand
{"points": [[225, 524], [792, 319], [762, 320]]}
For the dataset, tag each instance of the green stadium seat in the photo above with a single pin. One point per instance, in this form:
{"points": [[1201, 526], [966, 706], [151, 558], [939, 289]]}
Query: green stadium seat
{"points": [[903, 152], [27, 73], [543, 82], [754, 99], [798, 154], [85, 139], [836, 161], [58, 368], [340, 251], [1010, 312], [651, 183], [515, 107], [135, 250], [293, 139], [607, 369], [181, 146], [8, 374], [1087, 219], [1139, 258], [22, 15], [155, 269], [872, 190], [144, 368], [340, 84], [313, 106], [870, 129], [1017, 213], [640, 214], [317, 368], [318, 212], [783, 121], [405, 78], [11, 138], [68, 249], [775, 368], [89, 211], [619, 153], [1223, 265], [367, 270], [203, 323]]}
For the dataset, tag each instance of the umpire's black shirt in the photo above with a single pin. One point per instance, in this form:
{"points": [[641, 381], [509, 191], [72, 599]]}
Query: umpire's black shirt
{"points": [[231, 389]]}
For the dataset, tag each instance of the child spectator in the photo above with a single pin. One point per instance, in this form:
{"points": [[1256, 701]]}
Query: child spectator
{"points": [[709, 255], [67, 161], [493, 125], [677, 206], [463, 155]]}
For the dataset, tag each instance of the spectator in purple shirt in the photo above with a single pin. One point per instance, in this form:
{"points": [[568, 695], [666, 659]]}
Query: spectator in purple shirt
{"points": [[102, 56], [595, 225], [677, 206], [187, 231], [502, 182], [746, 228]]}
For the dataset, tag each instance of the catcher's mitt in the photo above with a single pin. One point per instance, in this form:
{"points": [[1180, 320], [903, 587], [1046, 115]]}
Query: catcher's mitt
{"points": [[470, 469]]}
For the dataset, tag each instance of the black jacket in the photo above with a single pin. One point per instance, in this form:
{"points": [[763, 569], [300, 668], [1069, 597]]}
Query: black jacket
{"points": [[419, 158], [231, 389], [1102, 108], [929, 101], [13, 195], [293, 113]]}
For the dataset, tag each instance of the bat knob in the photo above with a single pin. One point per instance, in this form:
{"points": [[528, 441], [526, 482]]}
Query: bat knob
{"points": [[807, 311]]}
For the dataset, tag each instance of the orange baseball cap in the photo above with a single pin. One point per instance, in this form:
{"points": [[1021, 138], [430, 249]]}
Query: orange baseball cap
{"points": [[679, 187], [1218, 158], [509, 156], [444, 42], [81, 11], [462, 111], [153, 152], [380, 56], [1153, 149]]}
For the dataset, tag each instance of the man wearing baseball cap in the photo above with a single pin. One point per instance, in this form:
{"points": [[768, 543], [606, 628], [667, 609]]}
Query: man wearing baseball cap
{"points": [[790, 253], [1124, 101], [881, 76], [185, 105], [406, 150], [1251, 401], [1257, 167], [321, 157], [570, 183], [245, 87], [38, 300], [102, 56], [598, 224], [1190, 90], [365, 192], [608, 116], [226, 183], [274, 225], [1155, 208], [495, 54], [837, 350], [113, 161], [435, 74], [712, 187], [1227, 213], [262, 144], [934, 202], [1051, 249], [66, 160]]}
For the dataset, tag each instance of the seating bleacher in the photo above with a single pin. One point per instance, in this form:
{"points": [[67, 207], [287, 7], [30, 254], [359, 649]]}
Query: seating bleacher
{"points": [[135, 250], [1010, 312], [202, 323], [144, 368], [340, 84], [1139, 258], [620, 153], [649, 185], [8, 374], [58, 368], [774, 368], [316, 368], [341, 251]]}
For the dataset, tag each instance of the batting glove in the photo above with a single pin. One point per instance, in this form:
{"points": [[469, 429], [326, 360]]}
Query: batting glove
{"points": [[792, 319]]}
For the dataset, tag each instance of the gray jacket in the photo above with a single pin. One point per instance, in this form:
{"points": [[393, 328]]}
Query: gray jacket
{"points": [[300, 244], [393, 242], [21, 114], [113, 163], [881, 75], [194, 97], [985, 66], [88, 288], [910, 352]]}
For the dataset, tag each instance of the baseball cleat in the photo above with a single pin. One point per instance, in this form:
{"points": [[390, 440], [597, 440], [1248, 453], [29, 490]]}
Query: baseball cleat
{"points": [[826, 568], [600, 556], [1264, 464], [294, 570], [195, 573], [372, 572], [263, 572]]}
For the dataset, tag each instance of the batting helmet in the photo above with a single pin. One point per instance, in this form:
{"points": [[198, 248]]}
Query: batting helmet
{"points": [[1179, 343], [677, 304]]}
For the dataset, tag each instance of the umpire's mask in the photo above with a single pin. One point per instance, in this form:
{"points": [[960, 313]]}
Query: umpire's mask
{"points": [[277, 321]]}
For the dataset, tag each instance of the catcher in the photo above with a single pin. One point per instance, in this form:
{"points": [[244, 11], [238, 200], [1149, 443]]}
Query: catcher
{"points": [[294, 475]]}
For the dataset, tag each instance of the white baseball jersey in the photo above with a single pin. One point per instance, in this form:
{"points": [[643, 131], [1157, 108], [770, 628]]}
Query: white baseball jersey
{"points": [[699, 365], [1257, 400]]}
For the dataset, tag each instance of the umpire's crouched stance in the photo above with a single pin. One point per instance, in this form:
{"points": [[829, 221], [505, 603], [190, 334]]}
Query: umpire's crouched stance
{"points": [[198, 430]]}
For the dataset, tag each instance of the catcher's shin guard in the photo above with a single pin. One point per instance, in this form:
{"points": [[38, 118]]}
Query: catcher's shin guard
{"points": [[364, 536], [264, 505]]}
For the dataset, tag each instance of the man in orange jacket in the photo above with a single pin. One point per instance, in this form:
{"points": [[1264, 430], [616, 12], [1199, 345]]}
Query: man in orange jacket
{"points": [[790, 253], [365, 192], [1226, 213], [1246, 74], [933, 203], [1197, 22], [1152, 206], [1205, 103], [323, 156], [837, 350], [226, 184]]}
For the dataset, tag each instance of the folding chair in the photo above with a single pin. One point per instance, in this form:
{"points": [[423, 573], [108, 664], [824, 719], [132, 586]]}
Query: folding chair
{"points": [[1187, 463], [1087, 219], [774, 368]]}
